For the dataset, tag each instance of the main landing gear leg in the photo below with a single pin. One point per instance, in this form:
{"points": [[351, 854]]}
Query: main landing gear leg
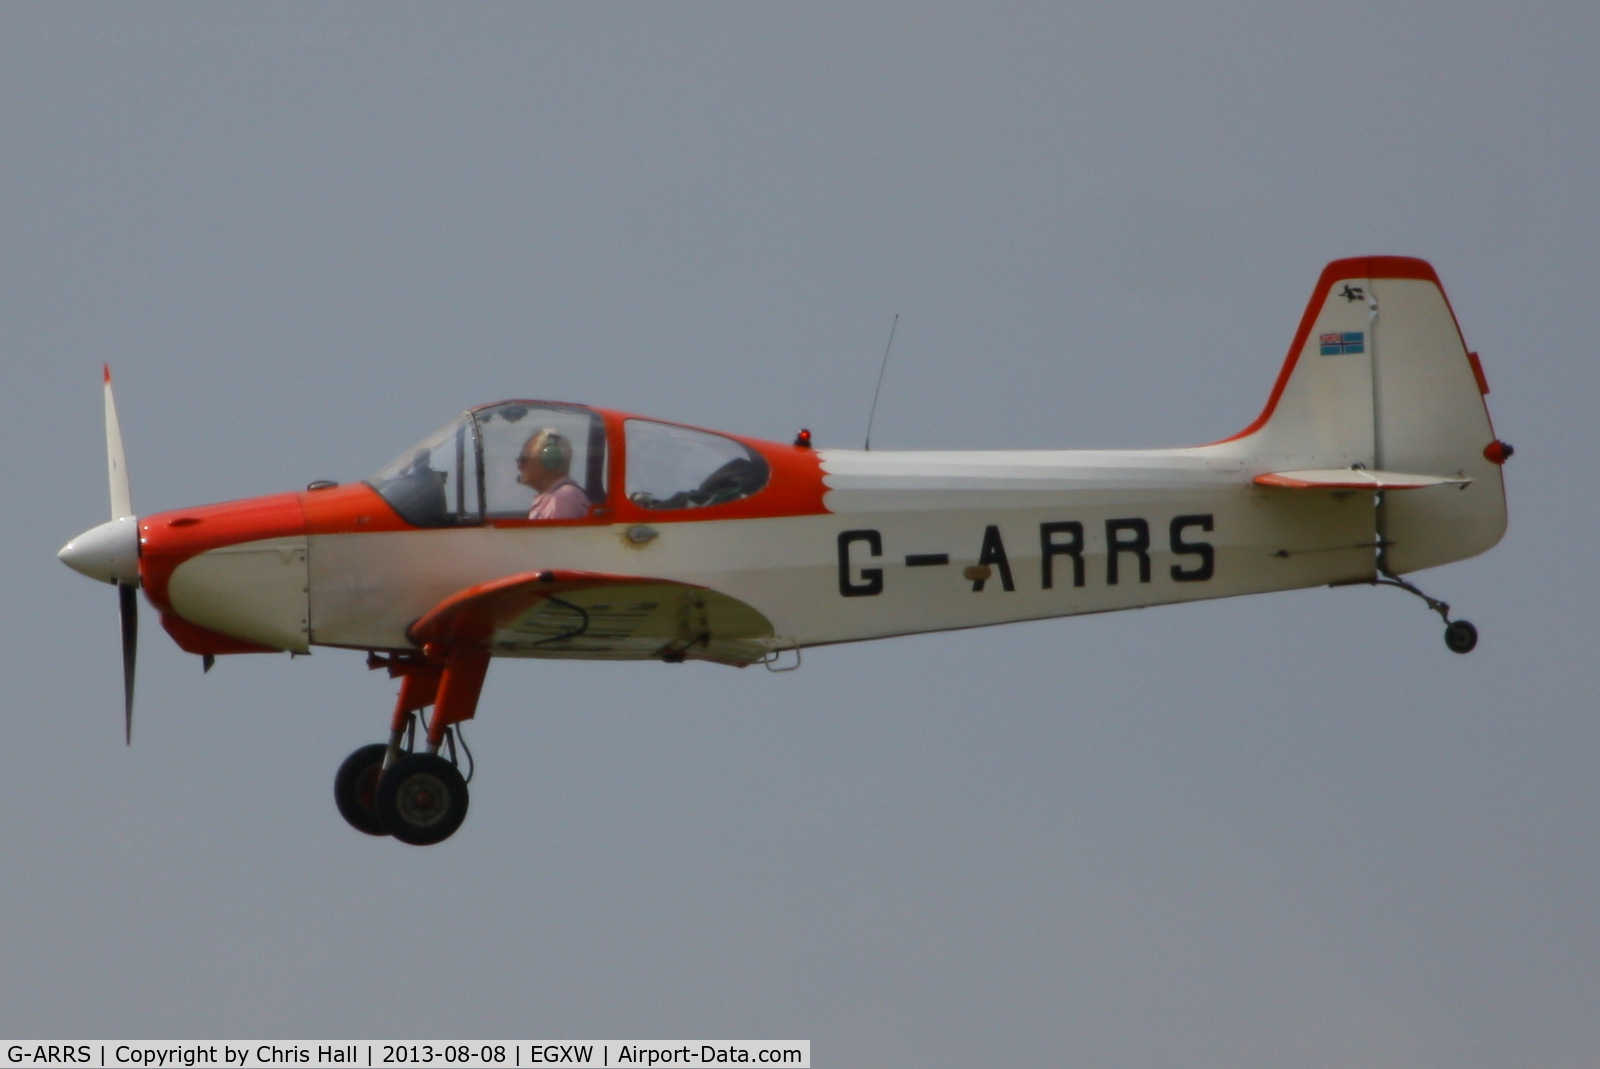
{"points": [[419, 688], [1459, 635], [355, 787], [388, 788], [421, 798]]}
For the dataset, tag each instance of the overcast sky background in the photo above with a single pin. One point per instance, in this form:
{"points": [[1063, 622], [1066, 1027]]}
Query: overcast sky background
{"points": [[1286, 830]]}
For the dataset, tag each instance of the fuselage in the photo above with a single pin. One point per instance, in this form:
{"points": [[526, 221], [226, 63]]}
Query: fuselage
{"points": [[874, 544]]}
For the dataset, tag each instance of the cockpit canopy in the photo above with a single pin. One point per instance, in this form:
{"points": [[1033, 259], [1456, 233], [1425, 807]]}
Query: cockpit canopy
{"points": [[672, 467], [467, 472]]}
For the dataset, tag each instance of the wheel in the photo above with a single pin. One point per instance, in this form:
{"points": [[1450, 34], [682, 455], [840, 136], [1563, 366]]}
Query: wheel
{"points": [[355, 789], [1460, 636], [422, 799]]}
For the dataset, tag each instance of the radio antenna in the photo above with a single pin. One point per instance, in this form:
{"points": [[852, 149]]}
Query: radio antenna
{"points": [[881, 369]]}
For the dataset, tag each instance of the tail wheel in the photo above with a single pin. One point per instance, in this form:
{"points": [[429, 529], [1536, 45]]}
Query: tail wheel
{"points": [[355, 789], [422, 799], [1460, 636]]}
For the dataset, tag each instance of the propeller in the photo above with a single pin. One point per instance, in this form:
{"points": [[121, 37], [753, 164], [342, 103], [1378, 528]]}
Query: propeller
{"points": [[127, 592], [127, 597], [110, 552]]}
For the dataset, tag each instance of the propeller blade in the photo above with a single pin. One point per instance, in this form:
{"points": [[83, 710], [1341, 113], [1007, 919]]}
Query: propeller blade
{"points": [[127, 593], [116, 462], [129, 600]]}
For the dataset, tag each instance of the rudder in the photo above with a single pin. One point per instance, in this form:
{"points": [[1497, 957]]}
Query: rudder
{"points": [[1431, 417]]}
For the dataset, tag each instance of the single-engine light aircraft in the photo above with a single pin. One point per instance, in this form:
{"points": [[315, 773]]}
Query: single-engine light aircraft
{"points": [[540, 529]]}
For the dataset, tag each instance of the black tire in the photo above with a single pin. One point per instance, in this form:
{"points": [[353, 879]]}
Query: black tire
{"points": [[422, 799], [355, 789], [1460, 636]]}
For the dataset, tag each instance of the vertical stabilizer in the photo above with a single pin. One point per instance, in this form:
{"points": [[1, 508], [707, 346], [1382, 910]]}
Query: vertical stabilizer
{"points": [[1378, 378], [1320, 413]]}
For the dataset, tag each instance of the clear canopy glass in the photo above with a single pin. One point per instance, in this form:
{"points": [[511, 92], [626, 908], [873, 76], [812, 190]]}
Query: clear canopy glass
{"points": [[435, 482], [467, 472], [671, 467]]}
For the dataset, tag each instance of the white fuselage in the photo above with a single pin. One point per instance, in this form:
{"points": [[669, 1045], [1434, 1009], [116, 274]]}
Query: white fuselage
{"points": [[872, 566]]}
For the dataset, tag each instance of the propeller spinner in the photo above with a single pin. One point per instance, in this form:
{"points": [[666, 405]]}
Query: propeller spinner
{"points": [[110, 553]]}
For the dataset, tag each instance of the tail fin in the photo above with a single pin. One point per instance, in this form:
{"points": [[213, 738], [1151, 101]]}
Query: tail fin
{"points": [[1379, 378]]}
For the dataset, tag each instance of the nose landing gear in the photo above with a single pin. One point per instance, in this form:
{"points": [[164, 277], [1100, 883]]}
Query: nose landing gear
{"points": [[386, 788]]}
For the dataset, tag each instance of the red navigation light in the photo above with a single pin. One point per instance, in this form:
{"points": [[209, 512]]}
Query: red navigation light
{"points": [[1498, 452], [803, 439]]}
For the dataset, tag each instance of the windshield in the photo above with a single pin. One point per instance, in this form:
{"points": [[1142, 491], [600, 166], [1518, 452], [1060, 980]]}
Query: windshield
{"points": [[435, 483]]}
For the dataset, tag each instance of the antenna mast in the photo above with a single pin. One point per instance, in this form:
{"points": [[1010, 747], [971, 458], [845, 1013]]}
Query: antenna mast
{"points": [[881, 369]]}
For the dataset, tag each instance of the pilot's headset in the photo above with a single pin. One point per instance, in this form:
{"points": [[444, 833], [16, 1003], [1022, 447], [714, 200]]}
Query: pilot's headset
{"points": [[556, 452]]}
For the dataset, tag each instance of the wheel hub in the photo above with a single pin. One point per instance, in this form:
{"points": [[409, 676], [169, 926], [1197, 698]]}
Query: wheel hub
{"points": [[422, 800]]}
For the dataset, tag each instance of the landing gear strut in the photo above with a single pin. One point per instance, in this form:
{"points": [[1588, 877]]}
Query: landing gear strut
{"points": [[387, 788], [1459, 635]]}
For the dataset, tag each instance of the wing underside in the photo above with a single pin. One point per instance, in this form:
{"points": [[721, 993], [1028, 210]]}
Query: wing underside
{"points": [[593, 615]]}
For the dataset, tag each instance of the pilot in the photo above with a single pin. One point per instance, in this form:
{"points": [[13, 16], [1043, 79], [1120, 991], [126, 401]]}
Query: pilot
{"points": [[543, 464]]}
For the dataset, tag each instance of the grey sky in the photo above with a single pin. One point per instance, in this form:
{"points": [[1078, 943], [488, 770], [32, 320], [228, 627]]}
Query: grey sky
{"points": [[1290, 830]]}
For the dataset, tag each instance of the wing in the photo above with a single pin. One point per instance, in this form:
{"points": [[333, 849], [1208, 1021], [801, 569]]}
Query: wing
{"points": [[1353, 479], [601, 616]]}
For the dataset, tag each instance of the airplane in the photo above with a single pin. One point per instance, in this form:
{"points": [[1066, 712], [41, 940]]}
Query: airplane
{"points": [[553, 530]]}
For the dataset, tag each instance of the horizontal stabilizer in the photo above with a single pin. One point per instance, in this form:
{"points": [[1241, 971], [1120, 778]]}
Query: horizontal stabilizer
{"points": [[593, 614], [1353, 479]]}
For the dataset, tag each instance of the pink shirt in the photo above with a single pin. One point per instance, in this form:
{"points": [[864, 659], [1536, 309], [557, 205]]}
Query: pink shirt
{"points": [[565, 500]]}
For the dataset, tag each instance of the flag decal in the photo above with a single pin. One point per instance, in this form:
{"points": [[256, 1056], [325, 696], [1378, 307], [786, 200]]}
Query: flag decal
{"points": [[1348, 341]]}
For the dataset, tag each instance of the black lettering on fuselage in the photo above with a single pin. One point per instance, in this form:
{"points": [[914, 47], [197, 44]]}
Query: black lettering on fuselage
{"points": [[1057, 538], [994, 552], [1050, 549], [871, 581], [1138, 545], [1180, 547]]}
